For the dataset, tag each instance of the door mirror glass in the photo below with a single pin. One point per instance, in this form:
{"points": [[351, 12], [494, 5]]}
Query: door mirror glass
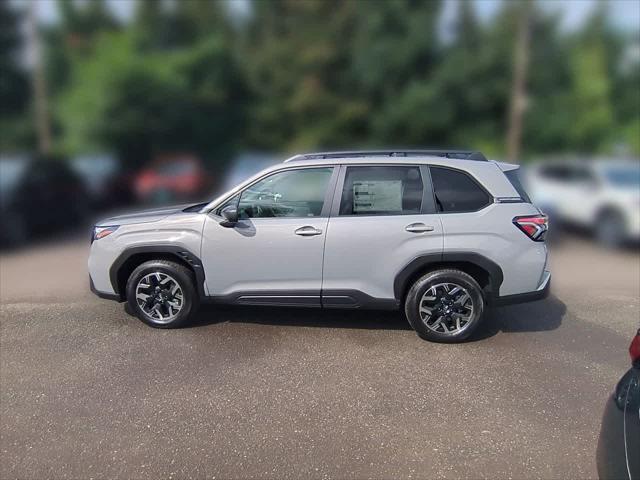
{"points": [[230, 215]]}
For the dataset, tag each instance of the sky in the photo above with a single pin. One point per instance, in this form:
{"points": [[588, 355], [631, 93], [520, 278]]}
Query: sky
{"points": [[624, 14]]}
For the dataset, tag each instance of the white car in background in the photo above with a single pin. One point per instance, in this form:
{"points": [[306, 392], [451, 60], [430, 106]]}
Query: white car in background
{"points": [[603, 196]]}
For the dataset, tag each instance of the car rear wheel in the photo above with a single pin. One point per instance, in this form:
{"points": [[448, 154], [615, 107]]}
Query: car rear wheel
{"points": [[611, 229], [444, 306], [162, 294]]}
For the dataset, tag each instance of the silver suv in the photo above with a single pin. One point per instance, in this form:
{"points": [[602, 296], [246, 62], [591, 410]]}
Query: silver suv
{"points": [[439, 234]]}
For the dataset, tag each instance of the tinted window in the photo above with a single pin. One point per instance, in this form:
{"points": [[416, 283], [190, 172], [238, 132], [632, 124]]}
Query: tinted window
{"points": [[623, 176], [292, 193], [456, 191], [514, 177], [566, 173], [381, 191], [554, 172]]}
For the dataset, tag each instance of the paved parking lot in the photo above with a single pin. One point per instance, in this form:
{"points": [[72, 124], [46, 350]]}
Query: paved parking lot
{"points": [[88, 391]]}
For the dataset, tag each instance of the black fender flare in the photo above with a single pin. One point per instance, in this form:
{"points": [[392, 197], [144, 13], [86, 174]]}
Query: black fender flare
{"points": [[423, 261], [180, 253]]}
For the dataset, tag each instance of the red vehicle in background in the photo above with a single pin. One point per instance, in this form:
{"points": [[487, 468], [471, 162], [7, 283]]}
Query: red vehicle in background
{"points": [[172, 178]]}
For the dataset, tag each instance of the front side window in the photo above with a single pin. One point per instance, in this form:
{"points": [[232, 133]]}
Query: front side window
{"points": [[292, 193], [382, 190], [456, 191]]}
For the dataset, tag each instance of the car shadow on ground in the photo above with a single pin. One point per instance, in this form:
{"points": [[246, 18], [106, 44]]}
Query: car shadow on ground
{"points": [[301, 317], [537, 316], [540, 316]]}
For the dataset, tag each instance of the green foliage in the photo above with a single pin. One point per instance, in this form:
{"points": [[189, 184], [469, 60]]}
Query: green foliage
{"points": [[139, 103], [306, 74], [15, 129]]}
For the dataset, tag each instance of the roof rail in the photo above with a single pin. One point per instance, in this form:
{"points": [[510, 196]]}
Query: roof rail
{"points": [[458, 154]]}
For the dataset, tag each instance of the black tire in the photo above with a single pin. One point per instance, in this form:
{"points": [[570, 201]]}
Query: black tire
{"points": [[611, 229], [179, 275], [473, 306], [16, 231]]}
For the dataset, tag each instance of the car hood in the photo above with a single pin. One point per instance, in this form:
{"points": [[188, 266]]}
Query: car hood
{"points": [[144, 216]]}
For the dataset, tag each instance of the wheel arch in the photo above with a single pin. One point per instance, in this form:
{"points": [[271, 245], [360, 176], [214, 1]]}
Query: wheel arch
{"points": [[132, 257], [483, 270], [609, 209]]}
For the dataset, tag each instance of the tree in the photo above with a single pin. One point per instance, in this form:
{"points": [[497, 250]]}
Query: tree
{"points": [[325, 73], [297, 59], [139, 103], [15, 127], [179, 24], [460, 100], [591, 88]]}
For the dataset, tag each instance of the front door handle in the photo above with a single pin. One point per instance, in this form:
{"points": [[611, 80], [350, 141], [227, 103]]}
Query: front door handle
{"points": [[418, 228], [308, 231]]}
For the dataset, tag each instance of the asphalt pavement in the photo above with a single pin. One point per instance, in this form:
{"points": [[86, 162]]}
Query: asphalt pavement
{"points": [[87, 391]]}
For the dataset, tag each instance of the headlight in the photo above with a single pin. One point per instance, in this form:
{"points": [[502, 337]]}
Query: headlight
{"points": [[101, 232]]}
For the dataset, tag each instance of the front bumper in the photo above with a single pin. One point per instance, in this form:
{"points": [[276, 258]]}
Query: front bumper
{"points": [[106, 296], [540, 293]]}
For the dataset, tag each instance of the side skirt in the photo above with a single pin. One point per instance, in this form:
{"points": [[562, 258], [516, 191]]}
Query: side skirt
{"points": [[339, 299]]}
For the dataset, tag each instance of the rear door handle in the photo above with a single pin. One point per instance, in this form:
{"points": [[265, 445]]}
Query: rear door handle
{"points": [[418, 228], [308, 231]]}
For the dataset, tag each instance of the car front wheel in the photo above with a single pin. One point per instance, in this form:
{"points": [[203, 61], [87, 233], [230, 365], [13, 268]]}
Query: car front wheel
{"points": [[444, 306], [162, 294]]}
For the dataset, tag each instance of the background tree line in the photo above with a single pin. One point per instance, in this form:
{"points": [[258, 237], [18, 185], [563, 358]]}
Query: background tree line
{"points": [[290, 75]]}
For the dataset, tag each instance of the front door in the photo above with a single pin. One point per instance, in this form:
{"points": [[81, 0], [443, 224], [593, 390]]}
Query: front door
{"points": [[383, 217], [273, 255]]}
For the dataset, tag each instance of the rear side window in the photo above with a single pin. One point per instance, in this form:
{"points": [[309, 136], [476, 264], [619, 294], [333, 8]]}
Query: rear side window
{"points": [[382, 190], [514, 177], [455, 191]]}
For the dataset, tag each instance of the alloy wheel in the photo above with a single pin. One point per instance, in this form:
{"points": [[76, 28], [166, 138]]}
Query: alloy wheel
{"points": [[160, 297], [446, 308]]}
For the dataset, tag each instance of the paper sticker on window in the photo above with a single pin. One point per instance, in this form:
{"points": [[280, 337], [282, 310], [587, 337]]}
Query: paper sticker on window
{"points": [[377, 196]]}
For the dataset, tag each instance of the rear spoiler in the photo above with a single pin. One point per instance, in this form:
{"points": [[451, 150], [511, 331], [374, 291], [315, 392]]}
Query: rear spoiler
{"points": [[506, 167]]}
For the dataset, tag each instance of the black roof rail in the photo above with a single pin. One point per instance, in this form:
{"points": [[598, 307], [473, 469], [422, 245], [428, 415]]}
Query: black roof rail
{"points": [[458, 154]]}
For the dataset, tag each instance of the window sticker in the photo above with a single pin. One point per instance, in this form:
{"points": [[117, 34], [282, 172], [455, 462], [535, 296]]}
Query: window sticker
{"points": [[377, 196]]}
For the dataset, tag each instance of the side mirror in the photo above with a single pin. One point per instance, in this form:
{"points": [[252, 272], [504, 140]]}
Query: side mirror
{"points": [[230, 214]]}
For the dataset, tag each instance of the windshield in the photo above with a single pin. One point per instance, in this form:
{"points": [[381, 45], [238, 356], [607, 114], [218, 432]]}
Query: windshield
{"points": [[623, 176]]}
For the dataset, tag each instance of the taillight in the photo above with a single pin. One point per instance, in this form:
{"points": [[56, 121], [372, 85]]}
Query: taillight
{"points": [[634, 350], [534, 226]]}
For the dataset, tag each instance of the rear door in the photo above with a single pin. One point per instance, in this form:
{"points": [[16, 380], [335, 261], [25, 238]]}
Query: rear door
{"points": [[383, 216]]}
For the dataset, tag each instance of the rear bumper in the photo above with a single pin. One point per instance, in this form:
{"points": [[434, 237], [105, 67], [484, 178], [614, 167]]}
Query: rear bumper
{"points": [[540, 293]]}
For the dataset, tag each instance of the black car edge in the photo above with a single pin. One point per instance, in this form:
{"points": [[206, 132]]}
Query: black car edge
{"points": [[618, 454]]}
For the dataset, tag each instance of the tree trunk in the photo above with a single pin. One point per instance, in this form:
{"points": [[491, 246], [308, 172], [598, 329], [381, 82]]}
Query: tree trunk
{"points": [[39, 84], [518, 103]]}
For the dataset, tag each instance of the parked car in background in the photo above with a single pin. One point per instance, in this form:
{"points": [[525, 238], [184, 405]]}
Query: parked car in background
{"points": [[602, 196], [107, 184], [439, 234], [38, 196], [618, 454], [172, 178]]}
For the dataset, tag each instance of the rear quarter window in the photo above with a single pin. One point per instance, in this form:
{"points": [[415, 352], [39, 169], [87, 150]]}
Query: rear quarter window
{"points": [[515, 178], [456, 192]]}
